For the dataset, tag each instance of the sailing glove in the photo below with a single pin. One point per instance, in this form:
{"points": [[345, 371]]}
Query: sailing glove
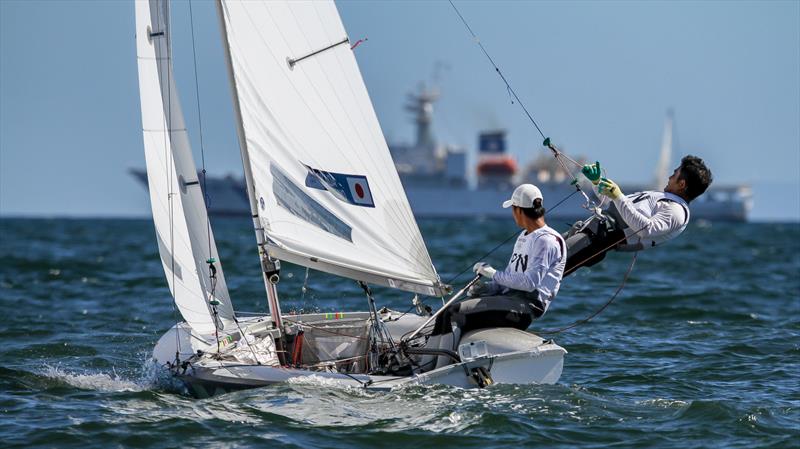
{"points": [[592, 172], [476, 289], [609, 188], [484, 269]]}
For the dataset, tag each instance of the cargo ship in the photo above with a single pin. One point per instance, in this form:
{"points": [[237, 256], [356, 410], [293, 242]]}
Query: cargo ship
{"points": [[436, 181]]}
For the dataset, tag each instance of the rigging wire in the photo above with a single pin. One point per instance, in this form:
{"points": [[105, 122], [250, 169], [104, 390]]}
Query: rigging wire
{"points": [[497, 69], [206, 196], [207, 199], [558, 154], [210, 261]]}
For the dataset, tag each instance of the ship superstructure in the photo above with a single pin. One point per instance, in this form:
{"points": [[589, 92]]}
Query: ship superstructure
{"points": [[436, 182]]}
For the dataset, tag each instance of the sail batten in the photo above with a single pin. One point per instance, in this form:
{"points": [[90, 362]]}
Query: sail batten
{"points": [[323, 180], [185, 241]]}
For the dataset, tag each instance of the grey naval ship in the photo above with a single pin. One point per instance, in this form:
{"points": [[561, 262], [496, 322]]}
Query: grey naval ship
{"points": [[437, 182]]}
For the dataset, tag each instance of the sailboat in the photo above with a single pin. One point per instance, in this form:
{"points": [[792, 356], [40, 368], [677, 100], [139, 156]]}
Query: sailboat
{"points": [[324, 194]]}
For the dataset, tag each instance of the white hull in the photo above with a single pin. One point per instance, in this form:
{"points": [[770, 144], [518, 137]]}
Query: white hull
{"points": [[532, 361], [724, 203]]}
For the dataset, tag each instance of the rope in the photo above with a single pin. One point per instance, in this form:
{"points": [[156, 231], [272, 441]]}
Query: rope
{"points": [[598, 311], [613, 297], [324, 329]]}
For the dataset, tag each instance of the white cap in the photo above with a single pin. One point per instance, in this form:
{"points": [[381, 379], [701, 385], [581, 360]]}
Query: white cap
{"points": [[523, 196]]}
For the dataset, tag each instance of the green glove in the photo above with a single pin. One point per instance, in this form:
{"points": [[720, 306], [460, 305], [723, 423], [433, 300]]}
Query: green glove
{"points": [[609, 188], [592, 172]]}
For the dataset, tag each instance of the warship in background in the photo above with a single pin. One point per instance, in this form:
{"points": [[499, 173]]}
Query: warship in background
{"points": [[436, 181], [434, 176]]}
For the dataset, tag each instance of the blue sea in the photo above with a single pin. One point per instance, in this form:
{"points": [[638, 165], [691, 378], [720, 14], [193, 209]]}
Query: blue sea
{"points": [[699, 350]]}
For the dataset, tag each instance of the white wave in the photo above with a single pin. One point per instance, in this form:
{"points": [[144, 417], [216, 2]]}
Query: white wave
{"points": [[94, 381], [349, 386], [321, 381], [664, 403]]}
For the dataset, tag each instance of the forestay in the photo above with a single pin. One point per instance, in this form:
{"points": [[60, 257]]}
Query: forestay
{"points": [[327, 192], [184, 238]]}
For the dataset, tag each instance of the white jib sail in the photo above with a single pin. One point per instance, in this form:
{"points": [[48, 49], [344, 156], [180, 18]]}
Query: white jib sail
{"points": [[185, 241], [328, 194]]}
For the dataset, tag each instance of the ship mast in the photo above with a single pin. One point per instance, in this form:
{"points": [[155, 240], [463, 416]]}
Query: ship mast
{"points": [[421, 105]]}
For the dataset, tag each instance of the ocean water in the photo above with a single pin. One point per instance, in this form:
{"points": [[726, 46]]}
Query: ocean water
{"points": [[701, 349]]}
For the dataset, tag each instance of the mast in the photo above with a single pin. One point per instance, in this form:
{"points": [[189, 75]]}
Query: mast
{"points": [[269, 267]]}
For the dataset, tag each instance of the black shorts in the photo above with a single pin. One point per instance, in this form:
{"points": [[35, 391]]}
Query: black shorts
{"points": [[517, 311]]}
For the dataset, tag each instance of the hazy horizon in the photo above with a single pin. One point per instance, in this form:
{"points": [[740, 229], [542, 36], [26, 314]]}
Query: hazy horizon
{"points": [[597, 76]]}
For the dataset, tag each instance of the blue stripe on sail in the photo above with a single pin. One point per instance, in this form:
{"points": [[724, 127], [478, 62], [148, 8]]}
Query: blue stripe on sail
{"points": [[298, 203]]}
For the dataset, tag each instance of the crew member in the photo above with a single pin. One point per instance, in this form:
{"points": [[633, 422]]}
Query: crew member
{"points": [[513, 297], [638, 221]]}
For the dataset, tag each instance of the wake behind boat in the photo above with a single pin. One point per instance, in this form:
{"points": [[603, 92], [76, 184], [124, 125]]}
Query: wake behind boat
{"points": [[324, 194]]}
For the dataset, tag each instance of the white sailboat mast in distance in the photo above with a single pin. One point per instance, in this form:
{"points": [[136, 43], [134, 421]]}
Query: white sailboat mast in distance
{"points": [[665, 156]]}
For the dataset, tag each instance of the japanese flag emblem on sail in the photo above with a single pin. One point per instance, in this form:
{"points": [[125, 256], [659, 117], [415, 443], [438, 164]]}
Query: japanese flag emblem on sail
{"points": [[352, 189], [359, 190]]}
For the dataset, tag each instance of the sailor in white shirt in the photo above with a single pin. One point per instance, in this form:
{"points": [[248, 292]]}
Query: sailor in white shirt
{"points": [[513, 297], [639, 221]]}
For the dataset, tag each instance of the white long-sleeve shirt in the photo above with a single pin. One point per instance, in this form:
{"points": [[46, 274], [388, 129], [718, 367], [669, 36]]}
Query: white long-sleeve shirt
{"points": [[537, 263], [657, 216]]}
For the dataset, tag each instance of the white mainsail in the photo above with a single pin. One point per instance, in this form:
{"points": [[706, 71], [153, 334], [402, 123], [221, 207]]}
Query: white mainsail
{"points": [[185, 241], [327, 193]]}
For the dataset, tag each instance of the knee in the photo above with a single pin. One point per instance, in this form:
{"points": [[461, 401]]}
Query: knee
{"points": [[577, 242]]}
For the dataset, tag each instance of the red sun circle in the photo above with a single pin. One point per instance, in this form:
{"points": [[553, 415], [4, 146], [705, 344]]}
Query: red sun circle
{"points": [[359, 191]]}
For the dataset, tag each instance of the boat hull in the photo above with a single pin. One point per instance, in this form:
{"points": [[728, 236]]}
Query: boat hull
{"points": [[540, 366], [507, 356]]}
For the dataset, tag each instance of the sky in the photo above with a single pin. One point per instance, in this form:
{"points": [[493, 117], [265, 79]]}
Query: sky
{"points": [[597, 76]]}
